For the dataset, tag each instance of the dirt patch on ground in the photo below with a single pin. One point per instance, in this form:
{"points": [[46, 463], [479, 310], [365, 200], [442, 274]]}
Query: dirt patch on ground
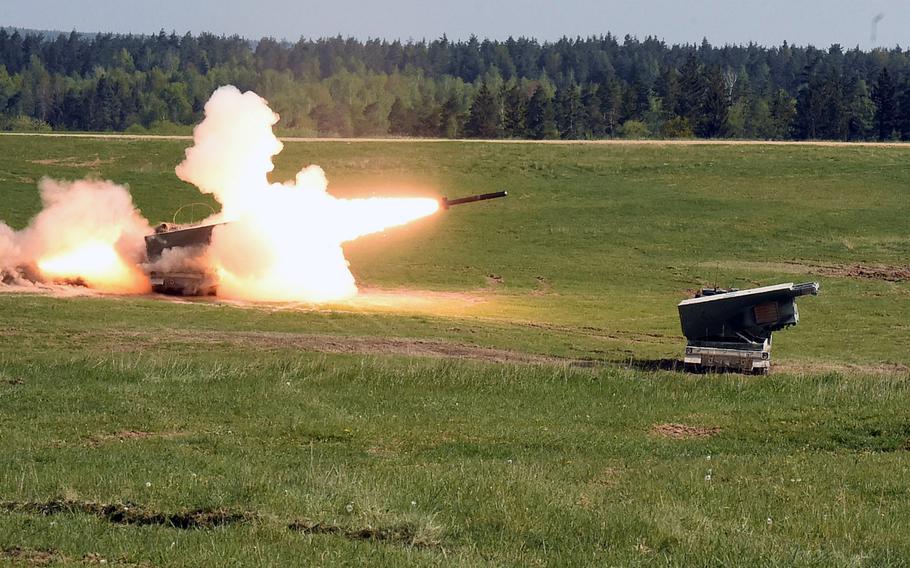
{"points": [[493, 280], [19, 555], [32, 556], [126, 435], [404, 534], [542, 288], [608, 477], [821, 367], [73, 162], [683, 432], [885, 272], [867, 271], [386, 448], [129, 514]]}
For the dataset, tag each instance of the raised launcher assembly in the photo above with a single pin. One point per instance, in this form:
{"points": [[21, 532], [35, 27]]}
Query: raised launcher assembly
{"points": [[189, 276], [731, 329]]}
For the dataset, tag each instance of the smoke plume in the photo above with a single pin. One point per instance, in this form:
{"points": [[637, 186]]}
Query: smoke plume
{"points": [[87, 232], [282, 241]]}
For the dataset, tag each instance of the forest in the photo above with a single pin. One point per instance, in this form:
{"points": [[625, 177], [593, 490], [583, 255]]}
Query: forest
{"points": [[581, 88]]}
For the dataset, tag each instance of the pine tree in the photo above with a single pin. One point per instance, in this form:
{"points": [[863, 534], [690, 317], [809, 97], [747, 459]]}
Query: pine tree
{"points": [[515, 110], [691, 91], [834, 118], [7, 87], [568, 110], [593, 117], [107, 106], [783, 114], [903, 110], [668, 91], [540, 118], [861, 112], [808, 120], [470, 64], [715, 106], [611, 107], [484, 117], [884, 95]]}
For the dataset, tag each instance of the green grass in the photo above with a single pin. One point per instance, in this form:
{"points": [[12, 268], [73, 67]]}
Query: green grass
{"points": [[484, 463]]}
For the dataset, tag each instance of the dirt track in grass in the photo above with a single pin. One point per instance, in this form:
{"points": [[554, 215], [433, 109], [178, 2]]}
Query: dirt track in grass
{"points": [[429, 348], [822, 143], [353, 345]]}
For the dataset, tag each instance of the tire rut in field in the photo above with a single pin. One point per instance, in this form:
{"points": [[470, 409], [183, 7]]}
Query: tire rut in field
{"points": [[405, 534], [129, 514]]}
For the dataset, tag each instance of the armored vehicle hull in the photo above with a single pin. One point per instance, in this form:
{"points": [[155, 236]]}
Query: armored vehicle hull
{"points": [[181, 276], [731, 329]]}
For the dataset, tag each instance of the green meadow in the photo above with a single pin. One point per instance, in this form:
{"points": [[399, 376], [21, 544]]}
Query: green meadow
{"points": [[502, 393]]}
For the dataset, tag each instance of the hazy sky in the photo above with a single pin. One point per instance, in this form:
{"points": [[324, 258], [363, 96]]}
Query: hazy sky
{"points": [[819, 22]]}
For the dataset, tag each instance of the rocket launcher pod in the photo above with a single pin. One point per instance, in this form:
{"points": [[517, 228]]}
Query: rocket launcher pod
{"points": [[731, 329]]}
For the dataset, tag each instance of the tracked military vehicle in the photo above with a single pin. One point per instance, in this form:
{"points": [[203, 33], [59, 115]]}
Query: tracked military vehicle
{"points": [[729, 329], [176, 260], [176, 253]]}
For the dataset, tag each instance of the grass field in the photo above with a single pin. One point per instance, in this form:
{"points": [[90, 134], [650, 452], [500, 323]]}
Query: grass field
{"points": [[495, 397]]}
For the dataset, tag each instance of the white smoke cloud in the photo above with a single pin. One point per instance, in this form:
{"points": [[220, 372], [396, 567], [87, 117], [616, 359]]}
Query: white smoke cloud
{"points": [[87, 231], [281, 241], [10, 252], [232, 150]]}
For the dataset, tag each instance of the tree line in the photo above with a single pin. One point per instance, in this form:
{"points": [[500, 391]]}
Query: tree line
{"points": [[595, 87]]}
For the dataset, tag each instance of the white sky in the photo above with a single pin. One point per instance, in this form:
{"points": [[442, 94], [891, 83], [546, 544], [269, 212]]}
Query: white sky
{"points": [[817, 22]]}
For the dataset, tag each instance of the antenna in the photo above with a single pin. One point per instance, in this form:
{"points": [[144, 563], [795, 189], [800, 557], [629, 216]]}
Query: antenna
{"points": [[193, 205]]}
